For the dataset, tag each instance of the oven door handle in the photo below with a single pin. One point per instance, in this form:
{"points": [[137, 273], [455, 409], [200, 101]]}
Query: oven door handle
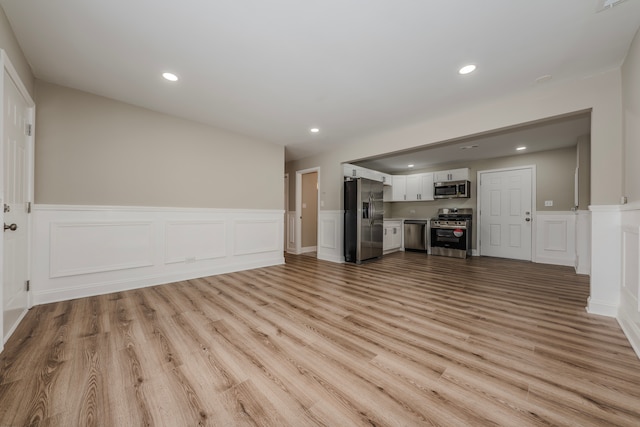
{"points": [[449, 227]]}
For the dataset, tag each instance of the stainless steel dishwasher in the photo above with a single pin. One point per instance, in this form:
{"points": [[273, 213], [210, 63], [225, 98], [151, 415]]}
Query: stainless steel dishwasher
{"points": [[416, 235]]}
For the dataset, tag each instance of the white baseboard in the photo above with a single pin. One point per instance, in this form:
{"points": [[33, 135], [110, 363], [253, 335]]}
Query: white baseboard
{"points": [[12, 330], [331, 258], [308, 249], [631, 331], [602, 308], [101, 288], [569, 262], [81, 251]]}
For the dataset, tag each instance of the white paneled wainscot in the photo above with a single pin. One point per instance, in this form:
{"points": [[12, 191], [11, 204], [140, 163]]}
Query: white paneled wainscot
{"points": [[556, 238], [81, 251], [629, 311], [331, 236]]}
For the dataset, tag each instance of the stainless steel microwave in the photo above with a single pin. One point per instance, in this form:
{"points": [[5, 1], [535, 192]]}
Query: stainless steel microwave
{"points": [[452, 190]]}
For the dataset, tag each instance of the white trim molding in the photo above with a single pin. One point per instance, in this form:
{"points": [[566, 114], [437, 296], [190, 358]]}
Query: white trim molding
{"points": [[291, 233], [331, 236], [629, 311], [604, 297], [81, 251]]}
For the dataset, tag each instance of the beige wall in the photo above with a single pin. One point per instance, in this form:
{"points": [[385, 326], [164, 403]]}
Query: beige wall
{"points": [[601, 94], [309, 209], [10, 45], [631, 105], [583, 160], [92, 150]]}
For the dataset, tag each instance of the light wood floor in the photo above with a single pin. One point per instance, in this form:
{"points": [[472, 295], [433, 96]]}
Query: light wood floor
{"points": [[407, 340]]}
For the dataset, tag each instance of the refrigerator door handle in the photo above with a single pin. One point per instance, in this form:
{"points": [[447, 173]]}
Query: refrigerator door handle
{"points": [[373, 210]]}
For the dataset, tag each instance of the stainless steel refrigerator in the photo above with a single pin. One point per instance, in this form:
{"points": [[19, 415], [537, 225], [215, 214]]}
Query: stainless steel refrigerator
{"points": [[363, 216]]}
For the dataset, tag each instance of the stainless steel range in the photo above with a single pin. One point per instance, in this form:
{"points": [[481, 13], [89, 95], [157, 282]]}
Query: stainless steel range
{"points": [[451, 233]]}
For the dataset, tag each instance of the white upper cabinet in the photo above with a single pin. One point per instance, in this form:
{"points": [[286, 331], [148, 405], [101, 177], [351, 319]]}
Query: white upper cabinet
{"points": [[351, 170], [359, 172], [427, 186], [414, 187], [461, 174], [407, 188], [399, 188]]}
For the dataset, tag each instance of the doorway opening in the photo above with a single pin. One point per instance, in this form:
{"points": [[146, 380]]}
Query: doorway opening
{"points": [[307, 210]]}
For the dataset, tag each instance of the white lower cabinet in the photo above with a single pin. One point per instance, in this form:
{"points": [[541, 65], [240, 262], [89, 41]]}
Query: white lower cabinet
{"points": [[392, 240]]}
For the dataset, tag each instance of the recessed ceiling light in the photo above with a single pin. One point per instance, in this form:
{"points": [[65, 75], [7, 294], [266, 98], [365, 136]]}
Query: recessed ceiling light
{"points": [[543, 79], [521, 148], [467, 69], [607, 4], [410, 166], [314, 130], [170, 76]]}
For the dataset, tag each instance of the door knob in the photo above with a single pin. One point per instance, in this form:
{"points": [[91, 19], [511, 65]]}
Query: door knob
{"points": [[527, 219], [12, 227]]}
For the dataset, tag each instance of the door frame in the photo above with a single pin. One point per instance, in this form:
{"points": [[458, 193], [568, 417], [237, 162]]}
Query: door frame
{"points": [[9, 70], [298, 236], [286, 212], [534, 219]]}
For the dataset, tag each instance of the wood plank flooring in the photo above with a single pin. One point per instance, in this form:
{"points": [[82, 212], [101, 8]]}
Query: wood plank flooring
{"points": [[407, 340]]}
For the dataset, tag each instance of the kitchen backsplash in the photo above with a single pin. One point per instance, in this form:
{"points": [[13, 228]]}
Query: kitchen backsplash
{"points": [[425, 209]]}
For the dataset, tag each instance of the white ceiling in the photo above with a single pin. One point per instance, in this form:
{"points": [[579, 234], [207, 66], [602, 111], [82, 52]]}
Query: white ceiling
{"points": [[273, 69]]}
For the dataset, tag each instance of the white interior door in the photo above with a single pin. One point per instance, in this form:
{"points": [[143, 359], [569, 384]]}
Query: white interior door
{"points": [[506, 213], [16, 186]]}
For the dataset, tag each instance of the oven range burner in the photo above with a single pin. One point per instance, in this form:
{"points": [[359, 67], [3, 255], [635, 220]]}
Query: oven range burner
{"points": [[451, 233]]}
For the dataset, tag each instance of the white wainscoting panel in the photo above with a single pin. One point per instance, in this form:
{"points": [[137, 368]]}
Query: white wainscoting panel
{"points": [[89, 247], [604, 298], [330, 236], [629, 311], [254, 236], [556, 238], [190, 241], [81, 251]]}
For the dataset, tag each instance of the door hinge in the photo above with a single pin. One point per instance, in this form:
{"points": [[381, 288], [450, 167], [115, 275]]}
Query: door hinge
{"points": [[28, 207], [28, 129], [28, 283]]}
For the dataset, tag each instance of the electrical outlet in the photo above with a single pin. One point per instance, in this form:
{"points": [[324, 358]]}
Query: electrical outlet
{"points": [[412, 211], [548, 202]]}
